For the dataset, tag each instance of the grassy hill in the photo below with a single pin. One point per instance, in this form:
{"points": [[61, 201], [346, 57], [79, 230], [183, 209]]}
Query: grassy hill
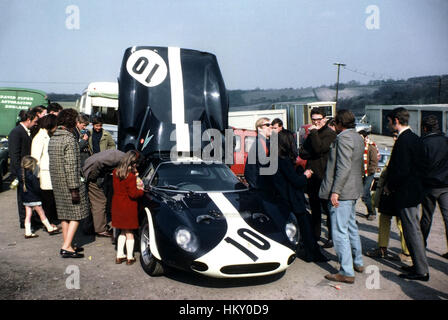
{"points": [[351, 95]]}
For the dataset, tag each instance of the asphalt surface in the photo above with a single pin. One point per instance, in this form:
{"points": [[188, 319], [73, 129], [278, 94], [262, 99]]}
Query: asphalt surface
{"points": [[31, 269]]}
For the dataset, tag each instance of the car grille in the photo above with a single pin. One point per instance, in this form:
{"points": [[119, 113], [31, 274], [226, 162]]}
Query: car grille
{"points": [[250, 268]]}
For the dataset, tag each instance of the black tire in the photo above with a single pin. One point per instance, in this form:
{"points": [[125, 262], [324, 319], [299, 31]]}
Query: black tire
{"points": [[149, 263]]}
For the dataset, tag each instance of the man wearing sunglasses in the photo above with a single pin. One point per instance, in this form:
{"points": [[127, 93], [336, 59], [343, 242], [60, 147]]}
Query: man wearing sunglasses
{"points": [[257, 158], [315, 150]]}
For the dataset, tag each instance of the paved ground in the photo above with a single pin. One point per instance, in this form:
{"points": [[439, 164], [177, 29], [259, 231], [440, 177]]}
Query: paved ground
{"points": [[32, 269]]}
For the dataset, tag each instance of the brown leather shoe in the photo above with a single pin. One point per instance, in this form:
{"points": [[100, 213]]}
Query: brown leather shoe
{"points": [[340, 278], [359, 269], [130, 261], [120, 260], [106, 234]]}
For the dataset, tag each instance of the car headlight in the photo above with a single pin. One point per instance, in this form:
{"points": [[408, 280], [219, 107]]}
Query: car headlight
{"points": [[186, 239], [291, 230]]}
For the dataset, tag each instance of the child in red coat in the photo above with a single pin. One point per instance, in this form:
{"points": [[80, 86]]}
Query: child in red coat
{"points": [[125, 206]]}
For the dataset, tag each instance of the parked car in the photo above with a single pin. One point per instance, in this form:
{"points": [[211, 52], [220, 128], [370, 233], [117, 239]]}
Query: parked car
{"points": [[199, 217], [362, 124], [382, 162], [4, 154]]}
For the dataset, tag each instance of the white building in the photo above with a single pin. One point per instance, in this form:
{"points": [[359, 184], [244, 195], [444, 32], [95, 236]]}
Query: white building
{"points": [[376, 116]]}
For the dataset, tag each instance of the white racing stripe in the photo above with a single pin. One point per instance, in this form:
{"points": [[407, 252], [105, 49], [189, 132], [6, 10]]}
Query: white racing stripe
{"points": [[244, 245], [152, 236], [177, 100]]}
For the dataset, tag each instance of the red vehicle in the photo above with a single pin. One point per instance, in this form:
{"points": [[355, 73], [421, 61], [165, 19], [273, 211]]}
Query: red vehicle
{"points": [[244, 139], [303, 133]]}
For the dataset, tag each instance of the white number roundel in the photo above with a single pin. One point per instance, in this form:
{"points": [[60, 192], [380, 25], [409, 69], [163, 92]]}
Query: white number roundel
{"points": [[147, 67]]}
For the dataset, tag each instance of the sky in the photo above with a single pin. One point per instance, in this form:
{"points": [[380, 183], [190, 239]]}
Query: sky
{"points": [[60, 46]]}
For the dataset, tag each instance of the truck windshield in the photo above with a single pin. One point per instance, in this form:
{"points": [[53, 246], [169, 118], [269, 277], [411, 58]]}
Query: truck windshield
{"points": [[196, 177]]}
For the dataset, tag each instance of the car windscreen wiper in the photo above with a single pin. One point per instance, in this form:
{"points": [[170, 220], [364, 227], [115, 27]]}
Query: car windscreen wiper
{"points": [[173, 187]]}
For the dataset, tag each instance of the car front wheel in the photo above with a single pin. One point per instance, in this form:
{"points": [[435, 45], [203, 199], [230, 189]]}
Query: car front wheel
{"points": [[149, 263]]}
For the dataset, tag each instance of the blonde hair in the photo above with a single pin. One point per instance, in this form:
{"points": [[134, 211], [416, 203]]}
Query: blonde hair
{"points": [[126, 163], [27, 163], [260, 122]]}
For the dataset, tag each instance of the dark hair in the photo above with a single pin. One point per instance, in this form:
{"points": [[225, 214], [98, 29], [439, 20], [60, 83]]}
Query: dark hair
{"points": [[364, 133], [330, 122], [97, 119], [54, 107], [345, 118], [67, 118], [318, 110], [287, 147], [25, 115], [401, 114], [48, 122], [277, 121], [431, 124], [39, 109]]}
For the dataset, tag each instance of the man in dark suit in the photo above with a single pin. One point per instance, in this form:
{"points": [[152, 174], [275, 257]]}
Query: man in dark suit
{"points": [[404, 181], [315, 150], [19, 142], [435, 181]]}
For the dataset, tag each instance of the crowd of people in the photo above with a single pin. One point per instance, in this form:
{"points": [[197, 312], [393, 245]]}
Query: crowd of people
{"points": [[50, 151], [340, 168], [66, 174]]}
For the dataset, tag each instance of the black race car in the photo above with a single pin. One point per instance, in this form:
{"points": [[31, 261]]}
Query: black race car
{"points": [[198, 216], [195, 215]]}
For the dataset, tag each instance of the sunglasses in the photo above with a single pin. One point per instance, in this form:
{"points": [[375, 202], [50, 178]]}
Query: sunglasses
{"points": [[265, 124], [317, 119]]}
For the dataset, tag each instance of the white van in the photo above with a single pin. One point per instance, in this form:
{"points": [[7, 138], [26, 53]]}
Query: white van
{"points": [[102, 97]]}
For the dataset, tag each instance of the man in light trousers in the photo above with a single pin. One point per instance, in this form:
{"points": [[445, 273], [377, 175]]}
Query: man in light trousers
{"points": [[342, 185]]}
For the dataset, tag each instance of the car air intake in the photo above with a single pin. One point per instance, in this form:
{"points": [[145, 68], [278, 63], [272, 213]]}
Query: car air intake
{"points": [[250, 268], [199, 266], [291, 259]]}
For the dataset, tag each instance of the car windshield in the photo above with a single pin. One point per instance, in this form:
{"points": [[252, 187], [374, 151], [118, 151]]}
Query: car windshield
{"points": [[197, 177]]}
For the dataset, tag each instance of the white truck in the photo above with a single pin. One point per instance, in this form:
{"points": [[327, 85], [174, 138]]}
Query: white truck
{"points": [[102, 98], [246, 119]]}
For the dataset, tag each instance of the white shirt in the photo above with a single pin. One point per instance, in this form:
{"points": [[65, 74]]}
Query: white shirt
{"points": [[402, 130], [26, 129]]}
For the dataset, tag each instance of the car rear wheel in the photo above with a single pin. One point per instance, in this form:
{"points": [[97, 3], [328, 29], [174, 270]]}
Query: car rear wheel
{"points": [[149, 263]]}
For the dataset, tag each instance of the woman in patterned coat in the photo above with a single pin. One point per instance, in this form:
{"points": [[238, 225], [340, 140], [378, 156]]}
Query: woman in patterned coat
{"points": [[65, 171]]}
